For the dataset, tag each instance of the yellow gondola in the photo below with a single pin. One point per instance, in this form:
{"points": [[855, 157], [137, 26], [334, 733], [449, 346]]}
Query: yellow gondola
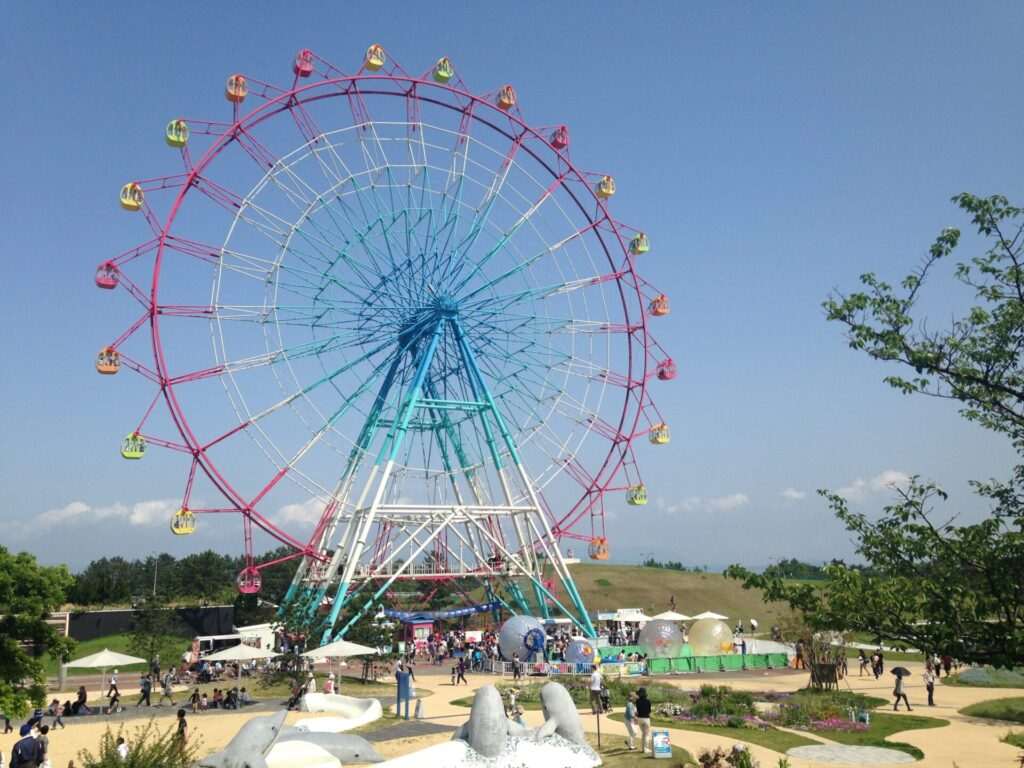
{"points": [[183, 523], [639, 244], [598, 549], [236, 89], [131, 196], [506, 98], [133, 446], [176, 133], [443, 70], [606, 187], [375, 57], [636, 495], [108, 361], [659, 434]]}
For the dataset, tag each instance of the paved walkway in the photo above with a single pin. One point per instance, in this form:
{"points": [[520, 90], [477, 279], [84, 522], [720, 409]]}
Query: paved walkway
{"points": [[847, 754], [969, 742]]}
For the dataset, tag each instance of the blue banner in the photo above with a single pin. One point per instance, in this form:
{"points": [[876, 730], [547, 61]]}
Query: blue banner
{"points": [[416, 617]]}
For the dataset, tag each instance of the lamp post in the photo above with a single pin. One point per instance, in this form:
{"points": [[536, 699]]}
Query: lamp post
{"points": [[156, 566]]}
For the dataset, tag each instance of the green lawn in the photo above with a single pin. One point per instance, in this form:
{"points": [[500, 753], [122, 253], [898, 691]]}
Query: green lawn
{"points": [[170, 649], [987, 677], [615, 755], [1014, 739], [884, 724], [1011, 709], [780, 741]]}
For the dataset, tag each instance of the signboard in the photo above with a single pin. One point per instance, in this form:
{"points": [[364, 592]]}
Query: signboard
{"points": [[661, 743]]}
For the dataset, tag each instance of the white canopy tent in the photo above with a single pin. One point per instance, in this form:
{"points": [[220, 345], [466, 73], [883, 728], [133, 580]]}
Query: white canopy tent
{"points": [[672, 616], [709, 615]]}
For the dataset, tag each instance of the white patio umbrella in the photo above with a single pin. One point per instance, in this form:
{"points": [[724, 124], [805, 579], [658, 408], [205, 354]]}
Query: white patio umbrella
{"points": [[709, 615], [104, 660], [340, 649], [240, 652], [672, 616]]}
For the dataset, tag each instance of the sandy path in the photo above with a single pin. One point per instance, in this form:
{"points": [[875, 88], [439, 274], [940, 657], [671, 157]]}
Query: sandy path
{"points": [[970, 742]]}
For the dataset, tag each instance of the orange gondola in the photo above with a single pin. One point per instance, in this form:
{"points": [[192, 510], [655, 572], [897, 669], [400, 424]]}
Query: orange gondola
{"points": [[599, 549], [236, 89], [506, 98], [108, 361], [659, 306]]}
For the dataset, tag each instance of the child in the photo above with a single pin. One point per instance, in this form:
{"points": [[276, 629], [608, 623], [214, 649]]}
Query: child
{"points": [[194, 701], [204, 703], [453, 675]]}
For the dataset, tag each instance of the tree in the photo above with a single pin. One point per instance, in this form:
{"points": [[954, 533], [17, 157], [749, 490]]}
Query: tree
{"points": [[28, 594], [150, 627], [935, 584]]}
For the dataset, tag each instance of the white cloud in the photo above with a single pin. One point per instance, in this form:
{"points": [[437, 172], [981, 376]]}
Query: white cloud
{"points": [[306, 513], [792, 494], [884, 482], [78, 513], [700, 504]]}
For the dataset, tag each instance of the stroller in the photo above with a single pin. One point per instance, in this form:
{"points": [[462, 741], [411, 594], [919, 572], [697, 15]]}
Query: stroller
{"points": [[114, 705], [606, 700]]}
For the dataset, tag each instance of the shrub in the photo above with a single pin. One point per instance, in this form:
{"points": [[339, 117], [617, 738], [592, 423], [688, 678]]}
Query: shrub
{"points": [[712, 701], [148, 747], [988, 677]]}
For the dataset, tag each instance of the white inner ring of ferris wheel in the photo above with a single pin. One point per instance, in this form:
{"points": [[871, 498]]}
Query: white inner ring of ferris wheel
{"points": [[459, 153]]}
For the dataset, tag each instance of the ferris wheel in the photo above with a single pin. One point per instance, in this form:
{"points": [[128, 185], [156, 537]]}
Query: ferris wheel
{"points": [[396, 300]]}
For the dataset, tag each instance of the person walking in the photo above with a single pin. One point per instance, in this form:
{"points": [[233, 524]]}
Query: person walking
{"points": [[629, 718], [193, 700], [799, 661], [929, 684], [900, 693], [517, 667], [596, 683], [643, 718], [145, 688], [863, 659], [113, 684], [168, 691], [180, 737], [461, 670]]}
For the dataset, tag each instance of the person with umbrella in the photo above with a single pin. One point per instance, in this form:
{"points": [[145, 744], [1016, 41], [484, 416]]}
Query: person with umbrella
{"points": [[899, 691]]}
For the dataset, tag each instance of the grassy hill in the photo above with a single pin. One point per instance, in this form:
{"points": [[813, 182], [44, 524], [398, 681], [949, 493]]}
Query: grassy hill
{"points": [[605, 587]]}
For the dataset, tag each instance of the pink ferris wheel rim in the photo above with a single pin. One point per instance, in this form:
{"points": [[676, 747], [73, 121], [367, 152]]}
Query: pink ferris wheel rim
{"points": [[639, 344]]}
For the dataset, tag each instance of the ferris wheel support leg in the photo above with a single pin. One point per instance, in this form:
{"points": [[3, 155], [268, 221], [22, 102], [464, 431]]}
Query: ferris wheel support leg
{"points": [[520, 600], [394, 577], [394, 442]]}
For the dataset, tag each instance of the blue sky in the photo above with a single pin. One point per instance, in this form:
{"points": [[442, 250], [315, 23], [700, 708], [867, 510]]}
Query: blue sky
{"points": [[772, 153]]}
